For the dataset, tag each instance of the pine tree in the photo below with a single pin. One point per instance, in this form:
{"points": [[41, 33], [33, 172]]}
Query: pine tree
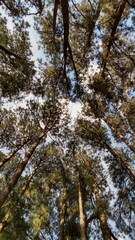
{"points": [[55, 177]]}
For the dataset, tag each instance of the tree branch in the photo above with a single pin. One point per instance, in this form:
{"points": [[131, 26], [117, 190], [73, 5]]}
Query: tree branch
{"points": [[7, 51]]}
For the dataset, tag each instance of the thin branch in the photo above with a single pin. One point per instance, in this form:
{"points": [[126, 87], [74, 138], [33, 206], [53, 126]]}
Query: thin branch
{"points": [[72, 59], [78, 9], [91, 5], [112, 235], [127, 55], [131, 4], [7, 51], [12, 154], [91, 218]]}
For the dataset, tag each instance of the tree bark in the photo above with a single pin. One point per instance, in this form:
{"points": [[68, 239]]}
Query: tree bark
{"points": [[14, 179], [92, 24], [123, 163], [62, 214], [120, 136], [101, 216], [81, 211], [12, 154], [127, 130], [25, 187], [65, 14], [4, 221], [113, 32], [56, 4]]}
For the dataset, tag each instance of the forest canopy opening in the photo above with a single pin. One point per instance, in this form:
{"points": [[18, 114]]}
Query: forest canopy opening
{"points": [[67, 120]]}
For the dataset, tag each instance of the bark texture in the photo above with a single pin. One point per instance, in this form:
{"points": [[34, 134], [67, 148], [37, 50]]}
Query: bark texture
{"points": [[12, 154], [117, 17], [101, 216], [126, 166], [62, 214], [123, 139], [65, 14], [81, 211]]}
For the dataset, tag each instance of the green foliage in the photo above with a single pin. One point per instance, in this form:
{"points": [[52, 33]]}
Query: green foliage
{"points": [[17, 69], [87, 59]]}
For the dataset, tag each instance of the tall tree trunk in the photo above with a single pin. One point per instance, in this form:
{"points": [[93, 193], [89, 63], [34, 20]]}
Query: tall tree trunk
{"points": [[120, 136], [127, 130], [23, 190], [102, 216], [4, 221], [5, 218], [99, 214], [14, 179], [81, 211], [56, 4], [65, 15], [62, 214], [27, 183], [12, 154], [117, 20], [122, 162], [91, 25]]}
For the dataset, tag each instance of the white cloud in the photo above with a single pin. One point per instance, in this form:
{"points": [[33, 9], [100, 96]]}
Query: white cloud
{"points": [[74, 109]]}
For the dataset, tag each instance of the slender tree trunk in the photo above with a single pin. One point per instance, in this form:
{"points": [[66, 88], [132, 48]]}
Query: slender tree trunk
{"points": [[101, 216], [14, 179], [92, 24], [81, 211], [127, 131], [25, 187], [118, 16], [122, 162], [62, 214], [65, 14], [12, 154], [120, 136], [4, 221], [56, 4]]}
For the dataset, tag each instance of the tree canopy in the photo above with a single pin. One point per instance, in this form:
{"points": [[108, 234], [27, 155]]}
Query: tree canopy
{"points": [[65, 177]]}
